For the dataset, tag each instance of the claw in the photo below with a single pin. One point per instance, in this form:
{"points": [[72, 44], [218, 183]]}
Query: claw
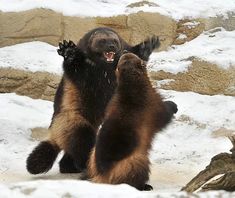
{"points": [[71, 43], [66, 44], [61, 45]]}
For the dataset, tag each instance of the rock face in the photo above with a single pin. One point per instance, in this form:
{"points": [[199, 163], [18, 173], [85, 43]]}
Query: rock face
{"points": [[39, 24], [51, 27], [35, 85], [202, 77]]}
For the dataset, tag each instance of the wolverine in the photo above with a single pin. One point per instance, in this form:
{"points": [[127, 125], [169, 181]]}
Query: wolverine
{"points": [[86, 87], [133, 116]]}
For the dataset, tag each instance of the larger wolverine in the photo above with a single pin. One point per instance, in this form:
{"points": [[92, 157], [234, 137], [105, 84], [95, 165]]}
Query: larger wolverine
{"points": [[86, 87]]}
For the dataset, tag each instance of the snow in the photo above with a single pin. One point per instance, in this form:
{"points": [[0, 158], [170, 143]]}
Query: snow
{"points": [[177, 9], [214, 46], [17, 116], [33, 56], [179, 152]]}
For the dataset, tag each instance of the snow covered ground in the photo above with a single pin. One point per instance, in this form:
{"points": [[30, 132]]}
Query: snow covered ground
{"points": [[179, 152], [214, 46], [176, 9], [25, 56]]}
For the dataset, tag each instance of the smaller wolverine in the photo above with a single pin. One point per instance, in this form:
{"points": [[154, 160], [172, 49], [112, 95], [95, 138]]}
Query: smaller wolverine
{"points": [[135, 113]]}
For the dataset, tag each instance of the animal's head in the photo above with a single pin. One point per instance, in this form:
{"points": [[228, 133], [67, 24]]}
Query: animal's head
{"points": [[130, 67], [102, 45]]}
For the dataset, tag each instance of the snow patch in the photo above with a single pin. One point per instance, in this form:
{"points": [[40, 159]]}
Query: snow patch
{"points": [[179, 152], [177, 9], [32, 56], [214, 46]]}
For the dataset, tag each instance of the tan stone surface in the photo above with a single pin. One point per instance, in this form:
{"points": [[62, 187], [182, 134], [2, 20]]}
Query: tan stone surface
{"points": [[142, 3], [35, 85], [144, 24], [227, 23], [190, 32], [38, 24], [201, 77], [75, 27], [51, 27]]}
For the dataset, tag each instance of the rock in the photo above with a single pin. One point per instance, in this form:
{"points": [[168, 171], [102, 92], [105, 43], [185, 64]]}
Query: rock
{"points": [[142, 3], [222, 132], [202, 77], [143, 24], [37, 24], [228, 23], [51, 27], [187, 30], [35, 85]]}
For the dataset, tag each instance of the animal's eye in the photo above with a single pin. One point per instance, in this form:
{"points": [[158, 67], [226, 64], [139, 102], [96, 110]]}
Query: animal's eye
{"points": [[102, 41], [115, 41]]}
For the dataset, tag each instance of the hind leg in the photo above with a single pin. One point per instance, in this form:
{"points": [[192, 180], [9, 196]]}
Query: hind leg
{"points": [[80, 143], [67, 164]]}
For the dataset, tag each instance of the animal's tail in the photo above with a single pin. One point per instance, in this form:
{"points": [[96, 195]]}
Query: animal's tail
{"points": [[41, 159]]}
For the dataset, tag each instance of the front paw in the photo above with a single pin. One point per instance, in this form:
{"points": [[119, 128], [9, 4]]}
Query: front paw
{"points": [[67, 49], [171, 106], [147, 47]]}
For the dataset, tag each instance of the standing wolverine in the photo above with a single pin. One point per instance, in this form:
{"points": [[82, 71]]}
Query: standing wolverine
{"points": [[85, 89], [133, 116]]}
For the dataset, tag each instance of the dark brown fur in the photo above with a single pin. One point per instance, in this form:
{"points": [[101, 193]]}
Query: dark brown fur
{"points": [[135, 113], [87, 85]]}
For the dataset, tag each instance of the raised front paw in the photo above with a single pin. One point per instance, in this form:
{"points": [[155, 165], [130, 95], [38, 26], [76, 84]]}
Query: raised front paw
{"points": [[67, 49], [147, 47]]}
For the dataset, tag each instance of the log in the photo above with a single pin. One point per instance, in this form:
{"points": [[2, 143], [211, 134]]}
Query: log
{"points": [[223, 163]]}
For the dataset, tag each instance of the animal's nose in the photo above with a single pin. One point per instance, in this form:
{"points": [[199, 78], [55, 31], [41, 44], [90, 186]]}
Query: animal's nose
{"points": [[111, 47]]}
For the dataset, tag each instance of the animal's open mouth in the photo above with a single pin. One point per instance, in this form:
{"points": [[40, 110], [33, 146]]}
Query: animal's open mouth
{"points": [[109, 56]]}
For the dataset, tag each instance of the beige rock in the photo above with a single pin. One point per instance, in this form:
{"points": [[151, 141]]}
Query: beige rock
{"points": [[202, 77], [35, 85], [188, 31], [227, 23], [222, 132], [37, 24], [144, 24], [51, 27], [142, 3], [75, 27]]}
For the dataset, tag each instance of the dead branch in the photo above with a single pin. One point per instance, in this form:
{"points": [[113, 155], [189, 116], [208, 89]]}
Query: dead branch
{"points": [[226, 182], [222, 163]]}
